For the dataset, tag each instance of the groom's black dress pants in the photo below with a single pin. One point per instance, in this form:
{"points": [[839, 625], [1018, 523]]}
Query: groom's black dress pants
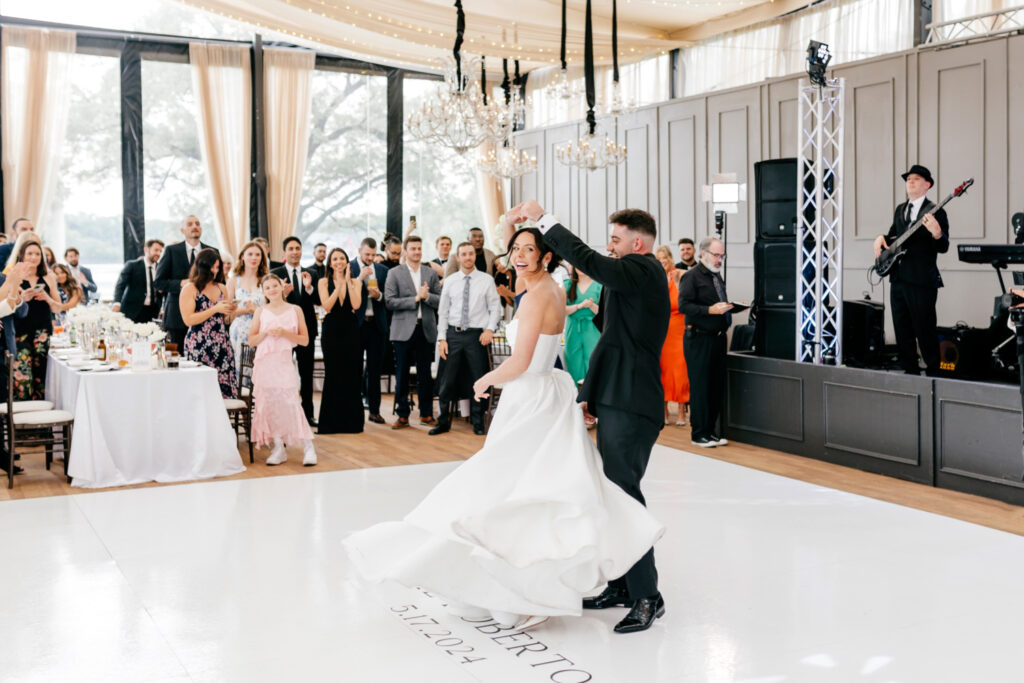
{"points": [[625, 440]]}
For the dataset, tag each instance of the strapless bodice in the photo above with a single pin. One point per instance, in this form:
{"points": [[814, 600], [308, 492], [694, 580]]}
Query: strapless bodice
{"points": [[544, 353]]}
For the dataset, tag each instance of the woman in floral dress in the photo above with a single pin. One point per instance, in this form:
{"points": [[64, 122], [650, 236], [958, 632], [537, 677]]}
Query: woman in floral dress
{"points": [[33, 331], [244, 288], [206, 309]]}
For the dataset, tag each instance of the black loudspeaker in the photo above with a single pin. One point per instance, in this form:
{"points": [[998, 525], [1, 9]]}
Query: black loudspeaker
{"points": [[775, 273], [775, 333], [863, 333], [742, 338], [964, 352], [775, 196]]}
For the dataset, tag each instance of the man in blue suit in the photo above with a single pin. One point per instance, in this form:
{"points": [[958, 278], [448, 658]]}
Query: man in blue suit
{"points": [[373, 322]]}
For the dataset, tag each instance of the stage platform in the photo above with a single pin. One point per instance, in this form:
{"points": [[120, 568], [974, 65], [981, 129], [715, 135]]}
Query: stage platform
{"points": [[948, 433]]}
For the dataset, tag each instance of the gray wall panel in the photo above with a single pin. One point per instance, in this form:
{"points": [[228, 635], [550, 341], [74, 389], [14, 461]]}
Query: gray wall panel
{"points": [[561, 186], [749, 410], [683, 171], [638, 175], [873, 421], [734, 144]]}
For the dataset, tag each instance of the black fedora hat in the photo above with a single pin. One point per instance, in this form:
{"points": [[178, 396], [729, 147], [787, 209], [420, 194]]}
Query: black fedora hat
{"points": [[921, 171]]}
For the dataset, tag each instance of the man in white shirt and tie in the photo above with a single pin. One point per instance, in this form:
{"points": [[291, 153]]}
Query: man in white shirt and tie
{"points": [[135, 294], [468, 314]]}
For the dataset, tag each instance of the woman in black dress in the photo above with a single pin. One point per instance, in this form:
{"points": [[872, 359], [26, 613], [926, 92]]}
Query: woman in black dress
{"points": [[341, 404]]}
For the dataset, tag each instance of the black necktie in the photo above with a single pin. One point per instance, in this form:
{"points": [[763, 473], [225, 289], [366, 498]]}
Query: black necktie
{"points": [[910, 208], [295, 283], [191, 257]]}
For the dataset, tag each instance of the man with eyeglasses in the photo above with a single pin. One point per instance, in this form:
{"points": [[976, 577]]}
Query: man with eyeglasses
{"points": [[703, 301]]}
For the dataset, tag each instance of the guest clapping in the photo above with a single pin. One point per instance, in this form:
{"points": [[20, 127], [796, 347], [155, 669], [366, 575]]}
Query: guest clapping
{"points": [[341, 295], [244, 291], [39, 290], [275, 329], [206, 309]]}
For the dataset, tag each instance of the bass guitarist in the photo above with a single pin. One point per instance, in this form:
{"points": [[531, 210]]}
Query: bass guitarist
{"points": [[915, 279]]}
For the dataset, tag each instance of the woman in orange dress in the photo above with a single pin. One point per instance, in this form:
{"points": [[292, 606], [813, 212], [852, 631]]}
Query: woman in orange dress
{"points": [[673, 364]]}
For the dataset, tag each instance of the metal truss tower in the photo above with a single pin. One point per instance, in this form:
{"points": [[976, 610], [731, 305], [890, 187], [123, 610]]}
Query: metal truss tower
{"points": [[819, 264]]}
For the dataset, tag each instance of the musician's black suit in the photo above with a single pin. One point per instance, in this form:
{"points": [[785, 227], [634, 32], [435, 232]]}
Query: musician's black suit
{"points": [[914, 287]]}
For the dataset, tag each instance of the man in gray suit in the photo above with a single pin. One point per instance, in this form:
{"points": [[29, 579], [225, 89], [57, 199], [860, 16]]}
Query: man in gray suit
{"points": [[412, 293]]}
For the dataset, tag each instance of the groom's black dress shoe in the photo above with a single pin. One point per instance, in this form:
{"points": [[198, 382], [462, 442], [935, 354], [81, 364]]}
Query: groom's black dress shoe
{"points": [[642, 616], [442, 427], [609, 597]]}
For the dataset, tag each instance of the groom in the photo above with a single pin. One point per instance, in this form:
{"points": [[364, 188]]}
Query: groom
{"points": [[623, 383]]}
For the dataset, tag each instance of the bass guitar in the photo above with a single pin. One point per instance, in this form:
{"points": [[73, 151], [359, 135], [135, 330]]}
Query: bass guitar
{"points": [[891, 256]]}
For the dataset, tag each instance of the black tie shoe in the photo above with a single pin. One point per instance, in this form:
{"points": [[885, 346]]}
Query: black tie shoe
{"points": [[642, 616], [610, 597]]}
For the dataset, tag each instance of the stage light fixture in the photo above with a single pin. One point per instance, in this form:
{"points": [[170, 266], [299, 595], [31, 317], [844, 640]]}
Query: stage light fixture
{"points": [[818, 57]]}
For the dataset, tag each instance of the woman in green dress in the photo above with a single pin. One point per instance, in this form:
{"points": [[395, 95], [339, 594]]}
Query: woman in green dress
{"points": [[581, 335]]}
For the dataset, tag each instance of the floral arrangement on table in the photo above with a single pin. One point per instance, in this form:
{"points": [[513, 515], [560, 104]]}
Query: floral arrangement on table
{"points": [[90, 323]]}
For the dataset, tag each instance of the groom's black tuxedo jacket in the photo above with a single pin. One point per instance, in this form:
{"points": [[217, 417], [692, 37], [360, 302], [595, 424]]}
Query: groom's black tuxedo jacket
{"points": [[625, 367]]}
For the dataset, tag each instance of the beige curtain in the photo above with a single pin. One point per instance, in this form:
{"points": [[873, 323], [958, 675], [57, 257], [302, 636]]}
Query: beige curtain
{"points": [[492, 198], [34, 87], [287, 82], [222, 81]]}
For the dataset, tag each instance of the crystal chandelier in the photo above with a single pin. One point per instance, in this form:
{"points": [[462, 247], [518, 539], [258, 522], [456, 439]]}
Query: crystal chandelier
{"points": [[561, 88], [457, 116], [616, 103], [507, 161], [590, 152]]}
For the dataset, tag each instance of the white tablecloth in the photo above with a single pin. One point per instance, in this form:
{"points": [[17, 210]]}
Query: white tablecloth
{"points": [[163, 425]]}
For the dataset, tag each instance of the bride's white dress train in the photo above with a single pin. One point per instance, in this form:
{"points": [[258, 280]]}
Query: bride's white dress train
{"points": [[529, 524]]}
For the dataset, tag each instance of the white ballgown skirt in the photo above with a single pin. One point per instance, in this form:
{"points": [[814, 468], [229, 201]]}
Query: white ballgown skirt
{"points": [[529, 524]]}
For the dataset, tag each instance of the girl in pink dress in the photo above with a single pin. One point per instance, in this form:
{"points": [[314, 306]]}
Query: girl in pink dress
{"points": [[276, 328]]}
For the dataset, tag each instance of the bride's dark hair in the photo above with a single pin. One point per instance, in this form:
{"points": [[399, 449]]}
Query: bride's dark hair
{"points": [[542, 247]]}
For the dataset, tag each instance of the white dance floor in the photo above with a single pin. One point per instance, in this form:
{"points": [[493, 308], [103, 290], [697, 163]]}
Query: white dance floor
{"points": [[766, 580]]}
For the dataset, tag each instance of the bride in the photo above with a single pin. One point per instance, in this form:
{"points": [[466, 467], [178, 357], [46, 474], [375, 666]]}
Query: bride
{"points": [[530, 524]]}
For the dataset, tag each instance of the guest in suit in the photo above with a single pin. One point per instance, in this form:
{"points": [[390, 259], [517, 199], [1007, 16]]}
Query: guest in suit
{"points": [[12, 305], [443, 245], [373, 323], [172, 273], [342, 293], [135, 293], [18, 227], [319, 267], [623, 384], [33, 331], [298, 290], [915, 279], [207, 310], [412, 294], [82, 274], [484, 260], [468, 315]]}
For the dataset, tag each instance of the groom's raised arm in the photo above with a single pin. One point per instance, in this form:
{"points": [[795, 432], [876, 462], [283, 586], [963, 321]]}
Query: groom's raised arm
{"points": [[618, 274]]}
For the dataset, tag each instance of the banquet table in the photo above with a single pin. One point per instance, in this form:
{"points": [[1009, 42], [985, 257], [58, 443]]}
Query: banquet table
{"points": [[133, 427]]}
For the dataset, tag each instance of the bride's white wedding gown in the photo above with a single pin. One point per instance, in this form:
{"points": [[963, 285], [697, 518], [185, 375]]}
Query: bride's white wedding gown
{"points": [[529, 524]]}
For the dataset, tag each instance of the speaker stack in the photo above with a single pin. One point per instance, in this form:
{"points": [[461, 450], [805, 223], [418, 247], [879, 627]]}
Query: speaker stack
{"points": [[775, 258]]}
